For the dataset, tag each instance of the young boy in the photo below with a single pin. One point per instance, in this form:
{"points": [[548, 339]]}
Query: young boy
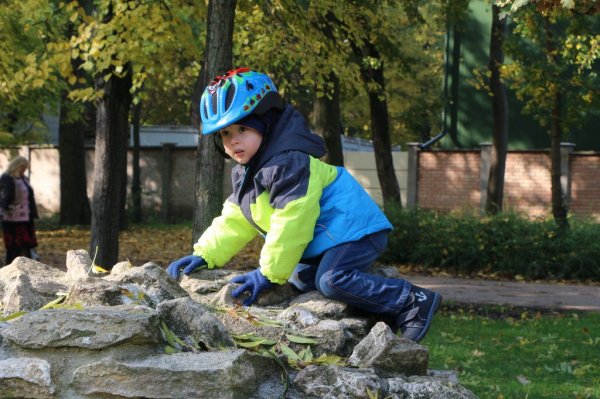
{"points": [[322, 230]]}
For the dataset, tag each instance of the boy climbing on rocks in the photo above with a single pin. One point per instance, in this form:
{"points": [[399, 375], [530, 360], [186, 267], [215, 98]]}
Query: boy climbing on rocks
{"points": [[322, 230]]}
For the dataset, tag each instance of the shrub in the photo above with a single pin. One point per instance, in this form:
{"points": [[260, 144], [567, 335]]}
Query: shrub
{"points": [[507, 245]]}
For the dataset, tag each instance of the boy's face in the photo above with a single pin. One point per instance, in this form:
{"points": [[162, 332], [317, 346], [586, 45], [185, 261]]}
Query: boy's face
{"points": [[240, 142]]}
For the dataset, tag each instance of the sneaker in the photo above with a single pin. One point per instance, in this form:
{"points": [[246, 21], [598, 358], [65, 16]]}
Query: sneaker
{"points": [[415, 318]]}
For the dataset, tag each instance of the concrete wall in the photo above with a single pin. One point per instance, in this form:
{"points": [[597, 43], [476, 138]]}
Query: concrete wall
{"points": [[44, 175]]}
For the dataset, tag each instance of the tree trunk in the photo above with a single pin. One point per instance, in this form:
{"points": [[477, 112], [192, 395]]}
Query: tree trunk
{"points": [[372, 74], [454, 87], [559, 201], [74, 202], [10, 120], [495, 188], [327, 122], [110, 167], [209, 163], [195, 119], [136, 185]]}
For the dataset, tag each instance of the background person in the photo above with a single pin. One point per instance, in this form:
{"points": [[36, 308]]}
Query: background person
{"points": [[18, 209]]}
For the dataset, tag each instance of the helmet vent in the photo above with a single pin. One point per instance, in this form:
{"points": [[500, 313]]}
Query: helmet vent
{"points": [[205, 111], [229, 96], [213, 103]]}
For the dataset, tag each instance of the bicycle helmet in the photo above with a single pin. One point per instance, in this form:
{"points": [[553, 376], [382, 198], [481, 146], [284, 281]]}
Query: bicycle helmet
{"points": [[235, 95]]}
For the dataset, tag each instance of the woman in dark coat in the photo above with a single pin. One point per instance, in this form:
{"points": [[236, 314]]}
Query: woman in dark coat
{"points": [[18, 209]]}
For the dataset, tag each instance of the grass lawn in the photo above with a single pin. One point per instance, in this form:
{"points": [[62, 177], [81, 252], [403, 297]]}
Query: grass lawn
{"points": [[528, 355]]}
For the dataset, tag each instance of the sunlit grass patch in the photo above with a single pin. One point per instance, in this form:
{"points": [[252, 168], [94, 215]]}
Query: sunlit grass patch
{"points": [[531, 356]]}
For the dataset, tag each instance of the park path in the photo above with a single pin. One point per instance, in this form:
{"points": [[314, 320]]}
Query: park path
{"points": [[531, 295]]}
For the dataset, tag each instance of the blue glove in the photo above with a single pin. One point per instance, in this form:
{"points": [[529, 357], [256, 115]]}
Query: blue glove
{"points": [[253, 282], [187, 264]]}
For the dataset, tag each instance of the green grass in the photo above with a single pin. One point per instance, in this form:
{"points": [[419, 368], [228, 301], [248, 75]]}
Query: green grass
{"points": [[527, 355]]}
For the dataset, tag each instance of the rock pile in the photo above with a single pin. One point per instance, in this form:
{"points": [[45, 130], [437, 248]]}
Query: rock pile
{"points": [[137, 333]]}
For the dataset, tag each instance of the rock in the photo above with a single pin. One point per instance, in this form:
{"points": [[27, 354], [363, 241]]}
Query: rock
{"points": [[333, 382], [321, 306], [79, 264], [279, 295], [152, 280], [331, 337], [25, 377], [227, 374], [27, 285], [385, 351], [194, 323], [207, 281], [298, 317], [121, 267], [418, 387], [355, 329], [93, 328], [93, 291], [23, 297]]}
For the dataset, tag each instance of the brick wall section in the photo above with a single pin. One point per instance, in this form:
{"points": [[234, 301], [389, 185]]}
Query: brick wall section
{"points": [[527, 186], [585, 185], [449, 180]]}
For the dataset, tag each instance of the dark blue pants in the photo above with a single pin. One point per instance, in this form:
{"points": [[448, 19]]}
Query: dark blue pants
{"points": [[341, 273]]}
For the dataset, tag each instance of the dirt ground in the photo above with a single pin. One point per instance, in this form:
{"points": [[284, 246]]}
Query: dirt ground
{"points": [[138, 245]]}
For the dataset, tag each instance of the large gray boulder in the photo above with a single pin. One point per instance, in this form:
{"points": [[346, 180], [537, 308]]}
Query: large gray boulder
{"points": [[27, 285], [93, 328], [227, 374]]}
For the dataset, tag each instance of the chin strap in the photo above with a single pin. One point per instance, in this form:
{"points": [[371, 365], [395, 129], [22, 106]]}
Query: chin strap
{"points": [[219, 146]]}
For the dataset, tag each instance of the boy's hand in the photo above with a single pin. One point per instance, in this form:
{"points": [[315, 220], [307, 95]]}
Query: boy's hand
{"points": [[253, 282], [187, 264]]}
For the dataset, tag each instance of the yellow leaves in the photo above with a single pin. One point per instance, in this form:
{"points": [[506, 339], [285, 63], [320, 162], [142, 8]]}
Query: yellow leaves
{"points": [[30, 59], [87, 66], [477, 353], [174, 343], [98, 269]]}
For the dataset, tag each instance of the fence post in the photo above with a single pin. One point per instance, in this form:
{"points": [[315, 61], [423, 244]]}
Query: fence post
{"points": [[165, 173], [412, 181], [484, 173], [565, 171]]}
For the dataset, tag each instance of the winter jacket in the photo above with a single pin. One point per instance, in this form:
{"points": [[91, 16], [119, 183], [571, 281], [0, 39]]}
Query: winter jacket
{"points": [[301, 206], [7, 194]]}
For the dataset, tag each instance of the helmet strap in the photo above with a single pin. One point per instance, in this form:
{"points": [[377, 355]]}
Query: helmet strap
{"points": [[219, 145]]}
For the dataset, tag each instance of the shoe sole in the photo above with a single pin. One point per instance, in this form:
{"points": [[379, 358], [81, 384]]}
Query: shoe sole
{"points": [[437, 300]]}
